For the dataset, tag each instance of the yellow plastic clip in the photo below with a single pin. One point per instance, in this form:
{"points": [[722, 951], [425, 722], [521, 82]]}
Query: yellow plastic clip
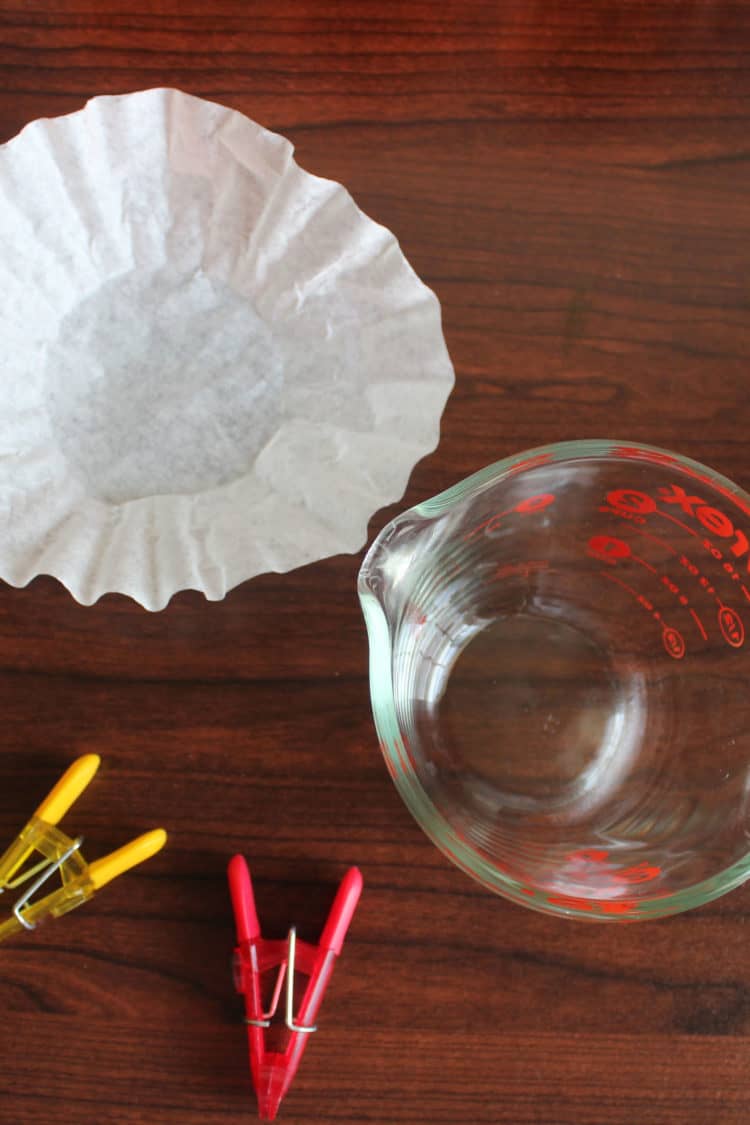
{"points": [[61, 853]]}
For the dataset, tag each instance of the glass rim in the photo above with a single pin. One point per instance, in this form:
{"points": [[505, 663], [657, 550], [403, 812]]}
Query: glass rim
{"points": [[392, 743], [557, 452]]}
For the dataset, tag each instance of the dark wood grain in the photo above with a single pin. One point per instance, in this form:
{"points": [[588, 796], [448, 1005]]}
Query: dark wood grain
{"points": [[572, 179]]}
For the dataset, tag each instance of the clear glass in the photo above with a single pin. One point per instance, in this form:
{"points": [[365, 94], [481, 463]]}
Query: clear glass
{"points": [[559, 677]]}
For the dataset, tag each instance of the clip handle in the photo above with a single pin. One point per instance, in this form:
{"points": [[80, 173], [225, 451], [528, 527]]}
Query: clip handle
{"points": [[340, 916], [83, 883], [104, 870], [243, 900], [68, 789]]}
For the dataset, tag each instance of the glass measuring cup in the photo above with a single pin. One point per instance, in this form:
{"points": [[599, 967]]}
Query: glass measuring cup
{"points": [[559, 677]]}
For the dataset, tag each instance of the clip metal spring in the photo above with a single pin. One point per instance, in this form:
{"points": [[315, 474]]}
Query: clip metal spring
{"points": [[48, 868], [286, 970]]}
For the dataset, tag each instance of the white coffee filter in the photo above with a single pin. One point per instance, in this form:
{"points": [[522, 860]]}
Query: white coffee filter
{"points": [[214, 364]]}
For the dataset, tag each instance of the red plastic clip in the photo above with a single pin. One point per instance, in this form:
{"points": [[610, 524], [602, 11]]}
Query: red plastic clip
{"points": [[273, 1071]]}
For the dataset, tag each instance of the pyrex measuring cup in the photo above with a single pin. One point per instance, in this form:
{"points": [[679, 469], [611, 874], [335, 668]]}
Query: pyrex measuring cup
{"points": [[559, 677]]}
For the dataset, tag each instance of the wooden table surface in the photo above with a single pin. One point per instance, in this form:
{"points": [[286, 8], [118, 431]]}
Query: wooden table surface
{"points": [[572, 180]]}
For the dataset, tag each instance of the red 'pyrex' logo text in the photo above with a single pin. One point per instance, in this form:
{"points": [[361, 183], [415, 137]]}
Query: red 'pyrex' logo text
{"points": [[714, 521]]}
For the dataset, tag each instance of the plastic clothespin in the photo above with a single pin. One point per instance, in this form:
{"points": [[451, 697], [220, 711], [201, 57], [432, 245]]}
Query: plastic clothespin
{"points": [[273, 1071], [61, 853]]}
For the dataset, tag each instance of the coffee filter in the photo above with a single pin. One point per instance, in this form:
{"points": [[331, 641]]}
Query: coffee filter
{"points": [[215, 365]]}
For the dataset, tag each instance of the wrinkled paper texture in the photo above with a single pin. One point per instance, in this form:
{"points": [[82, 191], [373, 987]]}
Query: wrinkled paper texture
{"points": [[215, 364]]}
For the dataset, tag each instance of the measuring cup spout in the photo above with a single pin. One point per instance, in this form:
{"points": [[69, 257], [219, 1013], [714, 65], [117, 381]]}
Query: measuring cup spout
{"points": [[406, 554]]}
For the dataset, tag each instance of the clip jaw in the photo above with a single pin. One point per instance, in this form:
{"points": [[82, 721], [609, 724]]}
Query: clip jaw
{"points": [[273, 1071], [61, 853]]}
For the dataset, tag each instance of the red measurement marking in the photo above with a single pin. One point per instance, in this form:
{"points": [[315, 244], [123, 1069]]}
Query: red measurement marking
{"points": [[529, 463], [621, 906], [630, 500], [639, 454], [704, 583], [401, 748], [647, 565], [588, 855], [621, 514], [619, 582], [675, 589], [745, 592], [674, 643], [535, 503], [639, 873], [523, 570], [699, 623], [608, 549], [487, 525], [524, 507], [655, 538], [713, 551], [572, 903], [607, 906], [673, 519], [732, 629], [389, 764], [673, 640]]}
